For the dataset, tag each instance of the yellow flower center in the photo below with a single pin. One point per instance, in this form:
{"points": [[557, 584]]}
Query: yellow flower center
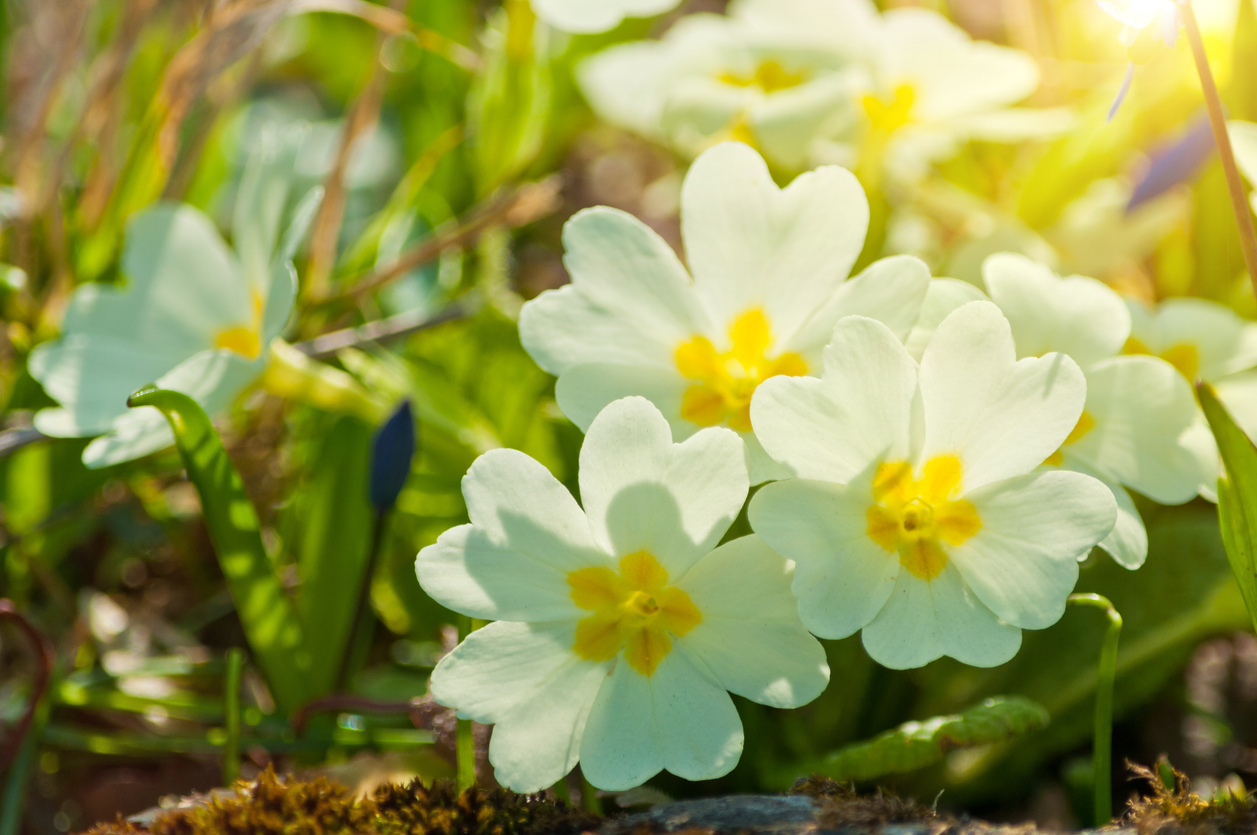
{"points": [[634, 610], [1183, 356], [245, 340], [769, 76], [886, 117], [724, 382], [1084, 425], [915, 516]]}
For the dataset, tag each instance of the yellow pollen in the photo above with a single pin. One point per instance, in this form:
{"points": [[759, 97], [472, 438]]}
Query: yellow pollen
{"points": [[1084, 425], [634, 610], [886, 117], [914, 517], [1183, 356], [724, 382], [769, 76], [245, 340]]}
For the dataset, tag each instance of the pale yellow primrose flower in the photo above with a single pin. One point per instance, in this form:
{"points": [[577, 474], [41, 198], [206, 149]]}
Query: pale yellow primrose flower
{"points": [[1141, 428], [712, 78], [918, 515], [620, 626], [193, 316], [593, 16], [1205, 341], [769, 271]]}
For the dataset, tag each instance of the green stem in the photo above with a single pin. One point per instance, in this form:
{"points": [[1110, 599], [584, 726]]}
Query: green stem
{"points": [[561, 791], [231, 700], [465, 741], [1217, 120], [1102, 758], [589, 796]]}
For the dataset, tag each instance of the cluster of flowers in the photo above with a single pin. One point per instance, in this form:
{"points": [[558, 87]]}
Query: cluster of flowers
{"points": [[809, 82], [941, 458]]}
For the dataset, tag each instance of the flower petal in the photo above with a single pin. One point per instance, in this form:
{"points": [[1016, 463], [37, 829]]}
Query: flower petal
{"points": [[1023, 562], [860, 411], [1221, 341], [750, 636], [679, 718], [943, 296], [1142, 408], [642, 492], [1127, 544], [583, 17], [585, 390], [138, 433], [842, 577], [927, 619], [891, 291], [1002, 418], [750, 244], [629, 303], [1077, 316]]}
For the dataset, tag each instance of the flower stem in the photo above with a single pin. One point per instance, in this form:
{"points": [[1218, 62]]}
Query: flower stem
{"points": [[589, 796], [231, 699], [1217, 120], [1106, 673]]}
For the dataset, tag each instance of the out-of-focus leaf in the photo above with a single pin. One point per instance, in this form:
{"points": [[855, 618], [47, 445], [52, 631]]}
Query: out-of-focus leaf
{"points": [[1237, 495], [335, 541], [916, 745], [269, 619], [510, 101]]}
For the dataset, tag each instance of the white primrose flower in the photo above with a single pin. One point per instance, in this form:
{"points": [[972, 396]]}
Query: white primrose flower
{"points": [[769, 281], [765, 82], [620, 627], [933, 88], [192, 315], [919, 515], [1138, 15], [1141, 427], [593, 16], [1244, 142], [1204, 341]]}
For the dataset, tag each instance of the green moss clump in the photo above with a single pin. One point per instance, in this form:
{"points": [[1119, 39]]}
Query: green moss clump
{"points": [[285, 806], [841, 806], [1181, 810]]}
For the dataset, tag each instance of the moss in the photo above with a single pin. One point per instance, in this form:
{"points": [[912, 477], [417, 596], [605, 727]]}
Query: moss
{"points": [[842, 806], [1180, 810], [280, 806]]}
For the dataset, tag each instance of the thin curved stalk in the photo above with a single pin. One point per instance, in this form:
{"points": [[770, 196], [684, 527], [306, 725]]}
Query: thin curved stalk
{"points": [[1217, 120], [1102, 756]]}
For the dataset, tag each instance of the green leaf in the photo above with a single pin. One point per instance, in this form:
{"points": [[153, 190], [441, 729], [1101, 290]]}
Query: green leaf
{"points": [[1237, 495], [334, 546], [268, 617], [916, 745]]}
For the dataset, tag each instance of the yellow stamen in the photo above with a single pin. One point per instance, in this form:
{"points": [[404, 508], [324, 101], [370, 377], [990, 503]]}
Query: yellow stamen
{"points": [[1184, 356], [724, 382], [1084, 425], [915, 516], [245, 340], [769, 76], [634, 610], [886, 117]]}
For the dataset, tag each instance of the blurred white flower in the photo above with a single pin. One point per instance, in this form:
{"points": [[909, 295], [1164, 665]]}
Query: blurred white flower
{"points": [[769, 271], [1204, 341], [592, 16], [1244, 141], [918, 515], [1140, 14], [622, 626], [192, 316], [821, 81], [763, 82], [1141, 427]]}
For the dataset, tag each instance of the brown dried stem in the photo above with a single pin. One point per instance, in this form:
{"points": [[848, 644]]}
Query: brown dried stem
{"points": [[1217, 120], [43, 674]]}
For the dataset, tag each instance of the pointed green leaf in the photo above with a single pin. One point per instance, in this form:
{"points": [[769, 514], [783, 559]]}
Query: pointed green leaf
{"points": [[268, 617], [334, 547], [916, 745], [1237, 495]]}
